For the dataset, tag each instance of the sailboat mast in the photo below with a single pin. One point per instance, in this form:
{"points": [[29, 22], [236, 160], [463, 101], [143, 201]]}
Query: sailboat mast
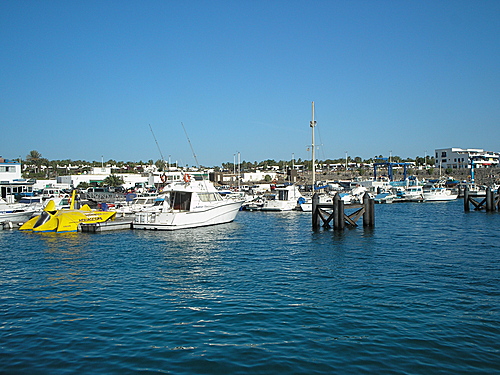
{"points": [[313, 124]]}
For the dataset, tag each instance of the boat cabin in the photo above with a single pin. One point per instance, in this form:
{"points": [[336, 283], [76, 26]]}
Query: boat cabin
{"points": [[185, 200]]}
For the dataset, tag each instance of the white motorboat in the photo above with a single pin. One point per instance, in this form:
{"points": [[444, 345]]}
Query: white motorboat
{"points": [[412, 194], [254, 205], [189, 204], [385, 197], [284, 199], [141, 203], [355, 196], [439, 194], [306, 204], [13, 212], [40, 201]]}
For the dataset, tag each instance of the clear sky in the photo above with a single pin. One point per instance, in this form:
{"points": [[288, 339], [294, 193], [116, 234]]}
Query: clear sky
{"points": [[87, 79]]}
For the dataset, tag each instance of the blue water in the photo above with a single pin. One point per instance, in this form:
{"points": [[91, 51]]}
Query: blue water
{"points": [[418, 294]]}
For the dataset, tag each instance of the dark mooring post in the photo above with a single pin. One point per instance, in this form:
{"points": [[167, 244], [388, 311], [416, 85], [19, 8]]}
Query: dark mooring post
{"points": [[489, 200], [339, 217], [315, 213], [496, 199], [369, 214], [335, 211], [372, 211], [466, 200]]}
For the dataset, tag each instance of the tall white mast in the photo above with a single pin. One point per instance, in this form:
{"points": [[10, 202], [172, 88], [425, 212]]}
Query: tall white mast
{"points": [[312, 125]]}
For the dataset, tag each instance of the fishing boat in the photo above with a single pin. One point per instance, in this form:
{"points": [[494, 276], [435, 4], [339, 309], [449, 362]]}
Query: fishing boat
{"points": [[65, 220], [194, 202]]}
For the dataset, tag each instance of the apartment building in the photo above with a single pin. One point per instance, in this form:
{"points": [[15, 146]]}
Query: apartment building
{"points": [[457, 158]]}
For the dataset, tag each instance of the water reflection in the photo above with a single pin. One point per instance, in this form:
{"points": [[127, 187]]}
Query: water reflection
{"points": [[60, 266], [193, 262]]}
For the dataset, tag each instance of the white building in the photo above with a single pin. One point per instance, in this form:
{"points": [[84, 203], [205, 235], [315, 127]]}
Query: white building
{"points": [[258, 176], [457, 158], [131, 180], [9, 170], [11, 181]]}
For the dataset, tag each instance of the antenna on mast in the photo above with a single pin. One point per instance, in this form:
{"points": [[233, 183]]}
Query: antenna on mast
{"points": [[162, 158], [190, 145], [312, 124]]}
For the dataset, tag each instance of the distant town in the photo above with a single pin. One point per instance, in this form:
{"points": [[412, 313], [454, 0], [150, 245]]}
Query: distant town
{"points": [[40, 172]]}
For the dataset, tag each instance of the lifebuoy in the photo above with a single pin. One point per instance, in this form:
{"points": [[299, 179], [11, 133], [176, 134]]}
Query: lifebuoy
{"points": [[187, 178], [163, 178]]}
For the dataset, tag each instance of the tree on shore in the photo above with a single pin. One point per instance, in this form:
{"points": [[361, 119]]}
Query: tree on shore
{"points": [[34, 158], [113, 180]]}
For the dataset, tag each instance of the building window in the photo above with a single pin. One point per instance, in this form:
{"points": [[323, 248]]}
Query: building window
{"points": [[443, 154]]}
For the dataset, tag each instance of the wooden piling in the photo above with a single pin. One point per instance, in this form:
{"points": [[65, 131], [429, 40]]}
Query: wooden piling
{"points": [[339, 223], [366, 214], [315, 214], [496, 200], [335, 212], [335, 209], [466, 199], [489, 200], [369, 214]]}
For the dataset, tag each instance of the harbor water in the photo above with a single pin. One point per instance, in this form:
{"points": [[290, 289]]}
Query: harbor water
{"points": [[417, 294]]}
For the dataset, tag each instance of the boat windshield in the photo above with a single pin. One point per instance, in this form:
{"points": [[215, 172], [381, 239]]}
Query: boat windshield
{"points": [[180, 200], [44, 217]]}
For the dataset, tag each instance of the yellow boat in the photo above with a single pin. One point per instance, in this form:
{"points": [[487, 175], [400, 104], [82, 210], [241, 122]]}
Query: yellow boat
{"points": [[64, 220]]}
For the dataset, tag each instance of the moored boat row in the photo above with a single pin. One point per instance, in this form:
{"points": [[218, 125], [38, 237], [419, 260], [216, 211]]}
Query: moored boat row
{"points": [[196, 202]]}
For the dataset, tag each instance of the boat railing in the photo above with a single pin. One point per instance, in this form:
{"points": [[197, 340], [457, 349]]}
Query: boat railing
{"points": [[145, 217]]}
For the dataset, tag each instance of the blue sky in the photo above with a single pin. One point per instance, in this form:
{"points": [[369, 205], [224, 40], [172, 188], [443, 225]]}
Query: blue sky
{"points": [[86, 79]]}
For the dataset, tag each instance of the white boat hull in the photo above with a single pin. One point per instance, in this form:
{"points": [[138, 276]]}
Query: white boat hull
{"points": [[279, 206], [16, 217], [172, 220], [439, 195], [306, 207], [323, 199]]}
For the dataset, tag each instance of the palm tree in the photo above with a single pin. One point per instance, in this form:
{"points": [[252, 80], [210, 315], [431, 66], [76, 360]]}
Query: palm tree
{"points": [[45, 162], [113, 180], [160, 165], [34, 158]]}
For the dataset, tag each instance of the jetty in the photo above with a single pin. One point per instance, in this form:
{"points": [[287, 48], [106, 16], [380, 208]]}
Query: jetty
{"points": [[118, 224], [328, 215], [489, 202]]}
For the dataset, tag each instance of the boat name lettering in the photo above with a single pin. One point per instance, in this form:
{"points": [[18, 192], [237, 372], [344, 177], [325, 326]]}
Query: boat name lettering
{"points": [[93, 218]]}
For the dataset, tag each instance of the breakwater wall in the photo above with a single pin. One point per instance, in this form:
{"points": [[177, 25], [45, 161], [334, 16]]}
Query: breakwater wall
{"points": [[483, 176]]}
